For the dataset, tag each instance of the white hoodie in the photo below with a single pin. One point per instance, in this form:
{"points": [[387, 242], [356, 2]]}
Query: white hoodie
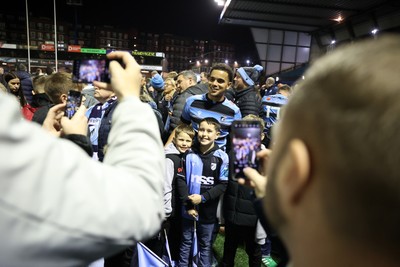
{"points": [[58, 207]]}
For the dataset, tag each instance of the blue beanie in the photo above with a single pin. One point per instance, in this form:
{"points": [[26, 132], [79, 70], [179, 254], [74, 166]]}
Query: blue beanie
{"points": [[250, 75], [157, 82]]}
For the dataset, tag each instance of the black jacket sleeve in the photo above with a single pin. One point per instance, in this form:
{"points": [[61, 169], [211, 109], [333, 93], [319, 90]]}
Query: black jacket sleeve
{"points": [[183, 191]]}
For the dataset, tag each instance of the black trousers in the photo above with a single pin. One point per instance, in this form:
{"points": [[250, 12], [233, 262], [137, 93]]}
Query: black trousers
{"points": [[236, 235]]}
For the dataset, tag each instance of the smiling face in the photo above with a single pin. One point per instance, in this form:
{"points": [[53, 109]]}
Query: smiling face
{"points": [[183, 142], [218, 83], [206, 135], [239, 84]]}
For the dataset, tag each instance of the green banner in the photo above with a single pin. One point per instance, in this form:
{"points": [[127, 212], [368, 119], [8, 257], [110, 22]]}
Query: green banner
{"points": [[93, 50]]}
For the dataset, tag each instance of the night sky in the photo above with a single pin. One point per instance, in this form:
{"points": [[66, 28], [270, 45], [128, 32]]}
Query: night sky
{"points": [[188, 18]]}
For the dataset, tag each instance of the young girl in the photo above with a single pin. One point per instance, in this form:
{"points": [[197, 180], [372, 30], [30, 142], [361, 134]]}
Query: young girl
{"points": [[14, 87]]}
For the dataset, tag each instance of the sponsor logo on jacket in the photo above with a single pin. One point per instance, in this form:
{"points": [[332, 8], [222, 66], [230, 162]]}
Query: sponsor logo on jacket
{"points": [[200, 179]]}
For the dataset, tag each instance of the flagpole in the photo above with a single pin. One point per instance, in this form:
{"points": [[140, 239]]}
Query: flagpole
{"points": [[195, 248], [167, 247], [27, 35], [55, 36]]}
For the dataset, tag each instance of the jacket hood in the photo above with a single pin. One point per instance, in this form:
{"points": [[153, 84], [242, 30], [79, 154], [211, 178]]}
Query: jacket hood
{"points": [[171, 149], [22, 75]]}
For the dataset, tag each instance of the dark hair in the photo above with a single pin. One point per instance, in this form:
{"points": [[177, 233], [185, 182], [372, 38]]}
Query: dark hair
{"points": [[9, 76], [224, 67], [20, 93], [49, 70], [212, 121]]}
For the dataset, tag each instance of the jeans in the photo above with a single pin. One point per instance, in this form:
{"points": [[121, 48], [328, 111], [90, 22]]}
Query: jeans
{"points": [[266, 247], [204, 240]]}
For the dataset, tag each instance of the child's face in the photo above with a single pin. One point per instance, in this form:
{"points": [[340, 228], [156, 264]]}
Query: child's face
{"points": [[183, 142], [206, 133]]}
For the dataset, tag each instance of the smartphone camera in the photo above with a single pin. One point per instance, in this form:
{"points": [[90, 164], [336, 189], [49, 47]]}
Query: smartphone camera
{"points": [[245, 143], [89, 70], [73, 103]]}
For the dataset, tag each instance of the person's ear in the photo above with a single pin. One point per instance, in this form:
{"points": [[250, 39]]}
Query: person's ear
{"points": [[63, 98], [218, 133], [296, 172]]}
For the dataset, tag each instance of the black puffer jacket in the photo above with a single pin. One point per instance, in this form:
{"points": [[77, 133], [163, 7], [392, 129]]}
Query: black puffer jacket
{"points": [[248, 101], [238, 205]]}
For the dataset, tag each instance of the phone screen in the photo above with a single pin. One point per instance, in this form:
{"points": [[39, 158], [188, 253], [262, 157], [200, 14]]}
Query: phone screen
{"points": [[246, 142], [73, 103], [89, 70]]}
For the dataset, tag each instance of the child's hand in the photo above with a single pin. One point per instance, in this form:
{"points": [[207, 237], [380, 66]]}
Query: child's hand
{"points": [[193, 213], [195, 198]]}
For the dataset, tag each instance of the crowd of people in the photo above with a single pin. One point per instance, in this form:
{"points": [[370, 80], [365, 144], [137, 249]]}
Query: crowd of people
{"points": [[149, 160]]}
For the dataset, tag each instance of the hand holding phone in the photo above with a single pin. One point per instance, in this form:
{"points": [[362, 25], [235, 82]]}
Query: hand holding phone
{"points": [[89, 70], [74, 100], [126, 76], [246, 142]]}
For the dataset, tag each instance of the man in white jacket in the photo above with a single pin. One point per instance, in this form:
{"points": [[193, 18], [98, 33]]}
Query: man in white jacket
{"points": [[58, 207]]}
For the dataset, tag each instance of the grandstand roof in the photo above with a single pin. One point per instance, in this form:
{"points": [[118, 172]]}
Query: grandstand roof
{"points": [[312, 16]]}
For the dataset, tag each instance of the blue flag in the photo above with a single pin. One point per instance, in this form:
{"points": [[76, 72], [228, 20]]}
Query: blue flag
{"points": [[148, 258], [195, 253]]}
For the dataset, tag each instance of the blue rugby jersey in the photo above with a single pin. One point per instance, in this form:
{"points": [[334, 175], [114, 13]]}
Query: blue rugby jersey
{"points": [[207, 175], [271, 105], [198, 107]]}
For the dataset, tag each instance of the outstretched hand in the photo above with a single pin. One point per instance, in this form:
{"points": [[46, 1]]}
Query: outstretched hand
{"points": [[125, 80]]}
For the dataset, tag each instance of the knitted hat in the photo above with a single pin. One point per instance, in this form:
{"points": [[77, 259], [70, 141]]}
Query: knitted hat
{"points": [[157, 82], [250, 75]]}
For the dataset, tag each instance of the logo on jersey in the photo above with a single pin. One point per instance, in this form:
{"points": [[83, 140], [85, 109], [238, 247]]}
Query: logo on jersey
{"points": [[200, 179], [225, 173], [213, 166]]}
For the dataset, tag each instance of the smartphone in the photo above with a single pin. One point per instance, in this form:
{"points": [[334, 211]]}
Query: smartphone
{"points": [[73, 103], [89, 70], [245, 143]]}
